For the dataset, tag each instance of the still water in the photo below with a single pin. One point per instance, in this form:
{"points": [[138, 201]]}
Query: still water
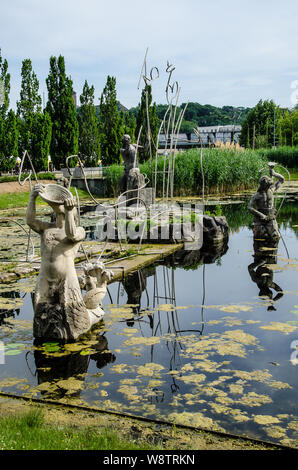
{"points": [[206, 339]]}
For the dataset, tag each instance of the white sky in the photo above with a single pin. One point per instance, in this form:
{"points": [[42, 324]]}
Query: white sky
{"points": [[226, 52]]}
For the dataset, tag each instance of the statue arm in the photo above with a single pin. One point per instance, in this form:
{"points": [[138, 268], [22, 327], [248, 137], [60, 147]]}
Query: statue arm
{"points": [[73, 233], [252, 209], [280, 179], [35, 224]]}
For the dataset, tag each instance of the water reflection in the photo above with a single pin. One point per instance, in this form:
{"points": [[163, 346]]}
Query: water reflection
{"points": [[262, 270], [229, 368], [56, 371], [13, 296]]}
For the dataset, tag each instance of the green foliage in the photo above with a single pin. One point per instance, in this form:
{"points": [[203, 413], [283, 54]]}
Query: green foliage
{"points": [[187, 127], [89, 143], [41, 176], [129, 124], [258, 125], [287, 128], [41, 140], [112, 175], [30, 100], [224, 169], [5, 86], [33, 137], [217, 211], [4, 118], [197, 114], [146, 125], [30, 431], [9, 143], [61, 108], [286, 156], [110, 126]]}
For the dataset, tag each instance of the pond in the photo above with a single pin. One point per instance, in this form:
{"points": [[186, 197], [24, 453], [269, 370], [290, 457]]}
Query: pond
{"points": [[202, 339]]}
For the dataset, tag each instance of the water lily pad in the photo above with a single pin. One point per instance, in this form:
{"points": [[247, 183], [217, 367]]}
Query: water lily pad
{"points": [[15, 345], [13, 352]]}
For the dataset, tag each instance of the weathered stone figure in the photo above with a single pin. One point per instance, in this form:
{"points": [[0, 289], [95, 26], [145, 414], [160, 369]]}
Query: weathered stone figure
{"points": [[131, 178], [59, 308], [262, 206]]}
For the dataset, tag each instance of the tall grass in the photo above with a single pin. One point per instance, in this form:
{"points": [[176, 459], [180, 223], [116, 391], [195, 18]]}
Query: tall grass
{"points": [[224, 170], [287, 156]]}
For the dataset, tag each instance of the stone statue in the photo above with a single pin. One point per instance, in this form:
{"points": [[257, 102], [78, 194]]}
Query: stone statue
{"points": [[262, 206], [94, 280], [131, 178], [59, 308]]}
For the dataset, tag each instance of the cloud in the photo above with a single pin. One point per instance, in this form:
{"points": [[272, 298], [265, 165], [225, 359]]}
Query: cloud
{"points": [[232, 50]]}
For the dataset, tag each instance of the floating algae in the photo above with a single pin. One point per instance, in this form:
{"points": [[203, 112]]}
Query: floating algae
{"points": [[236, 308], [265, 419], [130, 392], [254, 399], [142, 340], [150, 369], [195, 379], [277, 326], [194, 419]]}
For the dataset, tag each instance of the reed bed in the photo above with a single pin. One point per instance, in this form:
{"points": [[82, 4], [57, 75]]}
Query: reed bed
{"points": [[287, 156], [224, 169]]}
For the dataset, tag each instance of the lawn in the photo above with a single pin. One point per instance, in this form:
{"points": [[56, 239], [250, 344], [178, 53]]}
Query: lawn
{"points": [[13, 200], [29, 431]]}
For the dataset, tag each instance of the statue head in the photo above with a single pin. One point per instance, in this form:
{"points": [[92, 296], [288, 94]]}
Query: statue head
{"points": [[265, 183], [126, 139]]}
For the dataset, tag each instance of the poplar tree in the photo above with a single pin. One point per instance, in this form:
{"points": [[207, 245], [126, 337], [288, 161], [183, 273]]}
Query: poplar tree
{"points": [[146, 124], [61, 108], [41, 140], [11, 134], [28, 105], [5, 163], [110, 125], [129, 124], [34, 125], [4, 87], [89, 143]]}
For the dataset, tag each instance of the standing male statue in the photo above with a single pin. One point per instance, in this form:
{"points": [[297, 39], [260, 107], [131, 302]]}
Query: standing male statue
{"points": [[262, 206], [59, 308], [131, 178]]}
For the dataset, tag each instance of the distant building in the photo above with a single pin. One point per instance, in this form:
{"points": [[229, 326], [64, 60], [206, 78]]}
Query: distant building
{"points": [[209, 135]]}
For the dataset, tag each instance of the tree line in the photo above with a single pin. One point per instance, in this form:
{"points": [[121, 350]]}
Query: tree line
{"points": [[268, 125], [61, 129]]}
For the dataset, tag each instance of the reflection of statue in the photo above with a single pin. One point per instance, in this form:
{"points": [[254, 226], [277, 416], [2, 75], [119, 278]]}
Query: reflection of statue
{"points": [[74, 365], [261, 272], [60, 311], [134, 285], [262, 206], [131, 178]]}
